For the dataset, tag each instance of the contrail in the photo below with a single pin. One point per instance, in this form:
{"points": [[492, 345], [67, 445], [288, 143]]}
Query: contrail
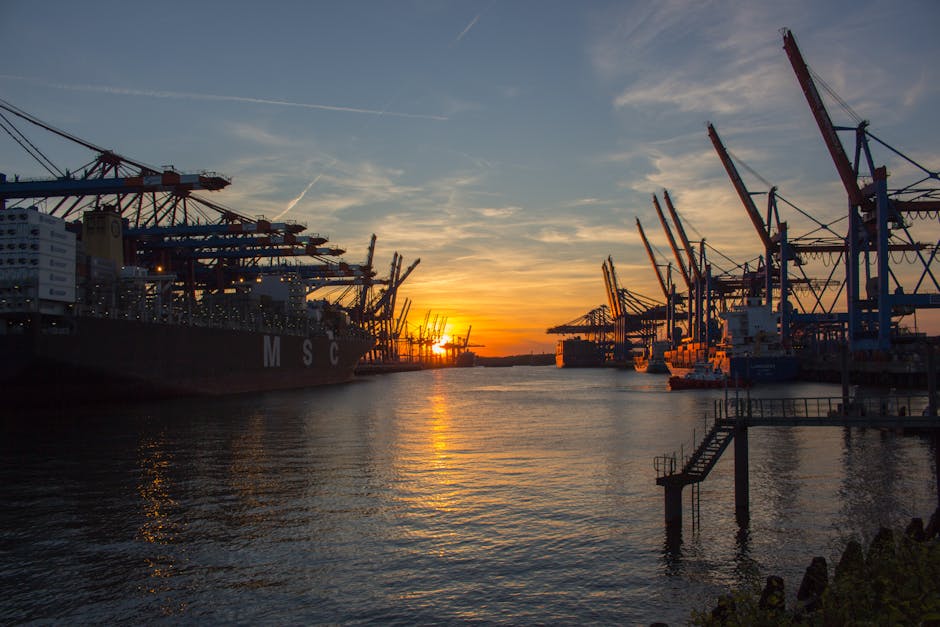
{"points": [[125, 91], [292, 203], [467, 29]]}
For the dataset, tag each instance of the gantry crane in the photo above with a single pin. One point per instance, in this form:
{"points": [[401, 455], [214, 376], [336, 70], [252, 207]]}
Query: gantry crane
{"points": [[195, 246], [619, 347], [666, 286], [876, 214], [701, 283]]}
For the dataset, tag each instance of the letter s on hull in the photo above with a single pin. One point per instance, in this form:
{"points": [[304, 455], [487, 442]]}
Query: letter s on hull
{"points": [[308, 352]]}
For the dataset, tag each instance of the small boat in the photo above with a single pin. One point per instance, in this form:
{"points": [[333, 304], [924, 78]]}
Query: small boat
{"points": [[651, 360], [703, 375]]}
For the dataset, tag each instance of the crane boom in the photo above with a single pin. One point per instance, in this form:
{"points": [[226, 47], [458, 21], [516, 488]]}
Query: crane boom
{"points": [[672, 243], [398, 281], [693, 265], [743, 194], [830, 137], [649, 251], [613, 289]]}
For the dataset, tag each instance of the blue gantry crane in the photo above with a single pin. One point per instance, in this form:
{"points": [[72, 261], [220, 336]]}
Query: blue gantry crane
{"points": [[879, 224]]}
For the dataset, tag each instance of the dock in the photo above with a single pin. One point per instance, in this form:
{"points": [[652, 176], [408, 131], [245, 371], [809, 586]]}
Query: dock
{"points": [[733, 417]]}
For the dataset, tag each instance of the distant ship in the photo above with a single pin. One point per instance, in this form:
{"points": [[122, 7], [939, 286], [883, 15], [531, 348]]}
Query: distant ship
{"points": [[578, 353], [653, 359], [467, 359], [78, 325]]}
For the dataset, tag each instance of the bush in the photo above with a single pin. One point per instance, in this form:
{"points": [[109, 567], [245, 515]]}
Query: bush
{"points": [[897, 582]]}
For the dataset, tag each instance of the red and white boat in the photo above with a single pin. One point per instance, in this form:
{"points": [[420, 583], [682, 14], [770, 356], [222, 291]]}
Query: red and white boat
{"points": [[704, 375]]}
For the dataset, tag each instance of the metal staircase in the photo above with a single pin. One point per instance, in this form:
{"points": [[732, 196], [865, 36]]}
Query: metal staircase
{"points": [[700, 463]]}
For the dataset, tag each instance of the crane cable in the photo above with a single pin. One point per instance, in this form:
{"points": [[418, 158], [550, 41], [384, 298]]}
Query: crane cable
{"points": [[842, 103], [29, 147]]}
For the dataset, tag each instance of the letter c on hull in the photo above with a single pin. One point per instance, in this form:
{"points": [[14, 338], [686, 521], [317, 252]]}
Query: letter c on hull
{"points": [[334, 353]]}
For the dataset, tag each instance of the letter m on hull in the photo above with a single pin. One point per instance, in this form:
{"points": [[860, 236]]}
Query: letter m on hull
{"points": [[272, 351]]}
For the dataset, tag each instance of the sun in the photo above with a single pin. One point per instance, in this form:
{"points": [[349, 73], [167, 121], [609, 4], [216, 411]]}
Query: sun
{"points": [[438, 349]]}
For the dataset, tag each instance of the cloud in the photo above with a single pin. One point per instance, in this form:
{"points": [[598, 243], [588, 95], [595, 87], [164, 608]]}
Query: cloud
{"points": [[497, 212], [262, 137], [914, 93], [750, 90], [627, 36]]}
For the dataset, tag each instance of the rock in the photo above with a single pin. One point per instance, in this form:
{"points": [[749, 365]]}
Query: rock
{"points": [[933, 526], [852, 562], [881, 547], [814, 584], [915, 530], [773, 597], [724, 610]]}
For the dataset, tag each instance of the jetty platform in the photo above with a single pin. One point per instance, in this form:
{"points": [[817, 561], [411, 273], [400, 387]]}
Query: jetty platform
{"points": [[731, 419]]}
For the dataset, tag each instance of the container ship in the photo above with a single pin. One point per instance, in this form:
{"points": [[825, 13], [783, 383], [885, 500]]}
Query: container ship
{"points": [[77, 322], [578, 353], [750, 349], [682, 359], [117, 280]]}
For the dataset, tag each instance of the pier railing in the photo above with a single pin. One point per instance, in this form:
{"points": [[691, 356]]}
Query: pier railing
{"points": [[900, 411], [815, 409]]}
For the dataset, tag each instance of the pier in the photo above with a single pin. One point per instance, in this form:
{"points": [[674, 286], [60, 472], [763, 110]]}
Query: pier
{"points": [[733, 417]]}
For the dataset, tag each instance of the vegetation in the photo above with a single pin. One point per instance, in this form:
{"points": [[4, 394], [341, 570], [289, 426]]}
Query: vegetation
{"points": [[897, 582]]}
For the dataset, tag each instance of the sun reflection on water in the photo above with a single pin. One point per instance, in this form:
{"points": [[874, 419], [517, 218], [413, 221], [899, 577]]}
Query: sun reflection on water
{"points": [[440, 494], [159, 528]]}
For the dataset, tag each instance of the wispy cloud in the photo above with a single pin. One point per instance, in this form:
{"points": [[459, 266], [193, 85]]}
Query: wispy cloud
{"points": [[149, 93], [740, 91]]}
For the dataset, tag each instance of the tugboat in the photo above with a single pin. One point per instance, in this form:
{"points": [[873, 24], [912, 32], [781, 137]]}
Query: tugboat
{"points": [[682, 359], [704, 375]]}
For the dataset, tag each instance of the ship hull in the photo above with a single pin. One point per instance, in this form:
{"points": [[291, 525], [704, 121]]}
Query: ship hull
{"points": [[691, 383], [107, 358], [578, 353], [650, 366], [764, 369]]}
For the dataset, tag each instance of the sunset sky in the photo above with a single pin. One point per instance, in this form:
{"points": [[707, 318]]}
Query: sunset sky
{"points": [[507, 144]]}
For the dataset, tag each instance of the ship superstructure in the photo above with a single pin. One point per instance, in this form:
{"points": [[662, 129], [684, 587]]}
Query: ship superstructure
{"points": [[751, 348]]}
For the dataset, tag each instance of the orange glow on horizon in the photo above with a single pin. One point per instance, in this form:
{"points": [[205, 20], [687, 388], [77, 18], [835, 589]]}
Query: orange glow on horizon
{"points": [[508, 311], [438, 349]]}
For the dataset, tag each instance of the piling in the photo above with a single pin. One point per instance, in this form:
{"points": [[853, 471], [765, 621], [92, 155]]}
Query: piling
{"points": [[742, 511], [673, 505], [932, 410], [844, 367]]}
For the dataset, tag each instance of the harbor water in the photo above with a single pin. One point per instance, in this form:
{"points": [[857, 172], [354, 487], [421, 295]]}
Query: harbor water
{"points": [[494, 495]]}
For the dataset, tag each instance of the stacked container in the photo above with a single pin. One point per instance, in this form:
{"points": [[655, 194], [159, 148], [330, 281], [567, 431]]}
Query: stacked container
{"points": [[37, 260]]}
